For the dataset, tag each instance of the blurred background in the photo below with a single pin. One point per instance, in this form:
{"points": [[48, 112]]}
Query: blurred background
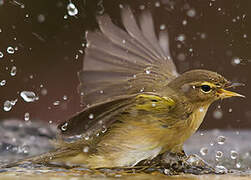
{"points": [[42, 45]]}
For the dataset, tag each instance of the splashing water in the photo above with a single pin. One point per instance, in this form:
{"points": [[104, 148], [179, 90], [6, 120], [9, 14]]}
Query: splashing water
{"points": [[9, 104], [72, 9], [10, 50], [28, 96]]}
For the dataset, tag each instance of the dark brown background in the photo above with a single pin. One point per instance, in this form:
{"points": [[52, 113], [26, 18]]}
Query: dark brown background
{"points": [[49, 50]]}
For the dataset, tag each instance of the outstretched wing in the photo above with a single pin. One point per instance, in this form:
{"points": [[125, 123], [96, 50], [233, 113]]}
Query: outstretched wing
{"points": [[100, 117], [119, 62]]}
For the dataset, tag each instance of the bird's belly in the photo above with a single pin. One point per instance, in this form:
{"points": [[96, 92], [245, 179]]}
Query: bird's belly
{"points": [[181, 131], [132, 158]]}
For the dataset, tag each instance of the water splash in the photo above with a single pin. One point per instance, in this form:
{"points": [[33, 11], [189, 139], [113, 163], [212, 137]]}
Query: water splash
{"points": [[8, 104], [72, 9], [28, 96]]}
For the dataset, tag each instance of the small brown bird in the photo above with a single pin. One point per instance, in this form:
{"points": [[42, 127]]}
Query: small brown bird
{"points": [[137, 105]]}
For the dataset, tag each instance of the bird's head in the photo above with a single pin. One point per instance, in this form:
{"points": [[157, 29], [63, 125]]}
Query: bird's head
{"points": [[203, 87]]}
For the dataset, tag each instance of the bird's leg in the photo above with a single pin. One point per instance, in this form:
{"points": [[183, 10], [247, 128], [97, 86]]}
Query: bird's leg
{"points": [[193, 164], [173, 163], [168, 162]]}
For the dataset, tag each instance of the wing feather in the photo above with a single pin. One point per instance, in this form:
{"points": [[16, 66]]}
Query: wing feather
{"points": [[124, 62], [94, 119]]}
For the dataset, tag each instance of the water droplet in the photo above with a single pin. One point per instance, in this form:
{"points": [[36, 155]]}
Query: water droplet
{"points": [[41, 18], [91, 116], [221, 140], [26, 116], [184, 22], [230, 110], [65, 97], [167, 171], [162, 27], [72, 10], [64, 127], [50, 122], [9, 104], [153, 104], [157, 4], [234, 154], [236, 61], [191, 12], [219, 154], [123, 41], [100, 7], [238, 165], [142, 7], [56, 103], [86, 149], [203, 151], [101, 91], [44, 92], [76, 56], [65, 16], [203, 36], [104, 129], [121, 6], [201, 109], [218, 114], [10, 50], [87, 138], [3, 82], [245, 35], [28, 96], [221, 169], [13, 71], [181, 37], [1, 54], [148, 71]]}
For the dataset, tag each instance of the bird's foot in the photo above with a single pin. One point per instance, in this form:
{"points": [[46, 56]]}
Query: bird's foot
{"points": [[175, 163]]}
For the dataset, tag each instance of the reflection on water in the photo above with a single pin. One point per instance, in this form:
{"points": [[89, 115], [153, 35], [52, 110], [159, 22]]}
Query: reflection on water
{"points": [[223, 149], [79, 174]]}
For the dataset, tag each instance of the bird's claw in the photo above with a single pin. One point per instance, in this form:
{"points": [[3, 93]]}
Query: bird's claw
{"points": [[192, 164]]}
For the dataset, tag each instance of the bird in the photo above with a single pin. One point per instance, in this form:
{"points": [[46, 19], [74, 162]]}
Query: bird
{"points": [[136, 106]]}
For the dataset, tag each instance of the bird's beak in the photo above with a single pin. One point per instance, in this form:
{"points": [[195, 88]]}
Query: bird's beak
{"points": [[227, 94]]}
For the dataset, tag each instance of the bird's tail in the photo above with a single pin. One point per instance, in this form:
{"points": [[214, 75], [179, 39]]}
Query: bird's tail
{"points": [[54, 155]]}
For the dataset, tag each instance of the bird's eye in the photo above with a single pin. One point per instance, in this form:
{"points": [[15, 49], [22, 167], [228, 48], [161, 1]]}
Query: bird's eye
{"points": [[206, 88]]}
